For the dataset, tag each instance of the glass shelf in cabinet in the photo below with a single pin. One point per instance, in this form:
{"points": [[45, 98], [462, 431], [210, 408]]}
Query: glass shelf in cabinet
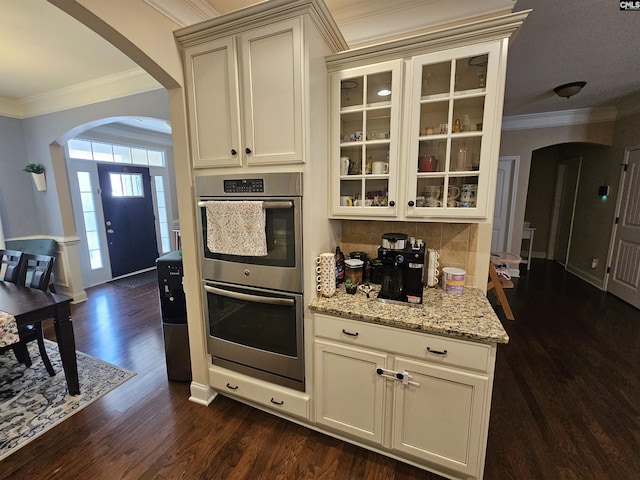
{"points": [[373, 106], [470, 93], [434, 97], [433, 136], [352, 109]]}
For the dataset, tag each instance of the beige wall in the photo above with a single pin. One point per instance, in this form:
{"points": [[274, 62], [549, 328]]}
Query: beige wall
{"points": [[456, 242], [539, 203], [522, 143]]}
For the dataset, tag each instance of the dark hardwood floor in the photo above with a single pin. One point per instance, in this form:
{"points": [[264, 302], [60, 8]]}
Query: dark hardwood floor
{"points": [[566, 402]]}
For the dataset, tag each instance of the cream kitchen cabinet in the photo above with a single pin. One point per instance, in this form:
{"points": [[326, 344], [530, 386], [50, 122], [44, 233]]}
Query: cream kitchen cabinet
{"points": [[454, 129], [447, 95], [350, 396], [365, 161], [245, 96], [421, 397], [275, 397]]}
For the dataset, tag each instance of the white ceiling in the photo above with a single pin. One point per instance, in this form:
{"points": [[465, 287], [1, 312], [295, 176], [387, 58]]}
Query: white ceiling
{"points": [[45, 54]]}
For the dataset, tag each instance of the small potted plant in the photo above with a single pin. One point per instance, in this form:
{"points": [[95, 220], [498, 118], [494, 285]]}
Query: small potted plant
{"points": [[37, 173]]}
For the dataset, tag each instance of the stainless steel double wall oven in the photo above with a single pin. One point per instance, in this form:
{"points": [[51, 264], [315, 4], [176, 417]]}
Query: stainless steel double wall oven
{"points": [[254, 304]]}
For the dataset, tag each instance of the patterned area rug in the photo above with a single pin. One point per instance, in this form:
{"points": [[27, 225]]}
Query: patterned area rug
{"points": [[32, 402]]}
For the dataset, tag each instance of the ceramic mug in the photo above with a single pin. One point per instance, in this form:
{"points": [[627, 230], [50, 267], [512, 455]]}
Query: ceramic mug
{"points": [[453, 203], [453, 192], [345, 201], [432, 191], [344, 165], [433, 202], [468, 191], [468, 203], [427, 163], [380, 168]]}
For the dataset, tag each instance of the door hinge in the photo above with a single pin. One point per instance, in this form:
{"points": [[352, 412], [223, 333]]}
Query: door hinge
{"points": [[608, 269], [624, 167], [617, 220]]}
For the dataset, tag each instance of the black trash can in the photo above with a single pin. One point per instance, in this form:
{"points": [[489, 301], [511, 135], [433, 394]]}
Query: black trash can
{"points": [[174, 317]]}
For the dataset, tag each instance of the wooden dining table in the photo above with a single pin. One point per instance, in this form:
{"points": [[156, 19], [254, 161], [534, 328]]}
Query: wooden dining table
{"points": [[30, 305]]}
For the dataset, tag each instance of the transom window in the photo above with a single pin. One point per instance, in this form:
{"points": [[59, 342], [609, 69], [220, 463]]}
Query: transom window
{"points": [[108, 152]]}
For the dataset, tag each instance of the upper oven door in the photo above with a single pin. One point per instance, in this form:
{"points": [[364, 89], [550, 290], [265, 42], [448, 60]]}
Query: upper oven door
{"points": [[281, 268]]}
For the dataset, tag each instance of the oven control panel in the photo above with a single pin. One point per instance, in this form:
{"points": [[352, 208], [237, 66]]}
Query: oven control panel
{"points": [[245, 185]]}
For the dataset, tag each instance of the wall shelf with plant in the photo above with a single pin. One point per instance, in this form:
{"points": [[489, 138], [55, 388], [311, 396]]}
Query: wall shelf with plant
{"points": [[37, 173]]}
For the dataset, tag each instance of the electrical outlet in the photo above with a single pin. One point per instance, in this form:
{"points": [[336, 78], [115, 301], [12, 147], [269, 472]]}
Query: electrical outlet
{"points": [[594, 262]]}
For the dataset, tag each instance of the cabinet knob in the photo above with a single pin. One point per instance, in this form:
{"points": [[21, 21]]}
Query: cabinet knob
{"points": [[392, 203], [411, 204], [247, 150], [234, 152]]}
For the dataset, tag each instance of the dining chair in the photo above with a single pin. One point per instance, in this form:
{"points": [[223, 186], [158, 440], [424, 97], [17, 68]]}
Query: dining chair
{"points": [[35, 272], [11, 263]]}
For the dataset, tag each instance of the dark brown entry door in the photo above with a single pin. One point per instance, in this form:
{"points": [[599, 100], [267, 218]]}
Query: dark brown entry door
{"points": [[129, 217]]}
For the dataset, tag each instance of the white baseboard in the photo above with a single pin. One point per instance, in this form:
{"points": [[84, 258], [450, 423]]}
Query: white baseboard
{"points": [[202, 394], [587, 277]]}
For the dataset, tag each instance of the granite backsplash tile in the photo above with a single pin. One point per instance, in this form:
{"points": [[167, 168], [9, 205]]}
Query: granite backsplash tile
{"points": [[456, 242]]}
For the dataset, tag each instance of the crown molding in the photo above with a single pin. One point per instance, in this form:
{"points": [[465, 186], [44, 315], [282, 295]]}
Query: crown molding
{"points": [[11, 108], [560, 118], [118, 85], [184, 12], [370, 21]]}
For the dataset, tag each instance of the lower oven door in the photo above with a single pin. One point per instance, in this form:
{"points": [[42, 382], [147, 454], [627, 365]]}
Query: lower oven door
{"points": [[257, 332]]}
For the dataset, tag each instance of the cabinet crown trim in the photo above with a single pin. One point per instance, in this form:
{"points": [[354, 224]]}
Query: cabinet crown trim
{"points": [[474, 32], [262, 14]]}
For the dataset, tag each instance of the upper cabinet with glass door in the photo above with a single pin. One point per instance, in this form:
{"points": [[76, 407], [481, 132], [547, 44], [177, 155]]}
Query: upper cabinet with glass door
{"points": [[454, 108], [365, 129]]}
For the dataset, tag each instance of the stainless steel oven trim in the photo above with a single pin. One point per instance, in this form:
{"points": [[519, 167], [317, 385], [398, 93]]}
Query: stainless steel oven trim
{"points": [[270, 366], [265, 205], [250, 298], [288, 279]]}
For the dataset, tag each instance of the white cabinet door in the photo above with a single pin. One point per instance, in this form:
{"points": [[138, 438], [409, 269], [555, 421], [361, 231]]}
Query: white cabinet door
{"points": [[245, 97], [441, 419], [455, 103], [365, 157], [272, 93], [349, 394], [212, 98]]}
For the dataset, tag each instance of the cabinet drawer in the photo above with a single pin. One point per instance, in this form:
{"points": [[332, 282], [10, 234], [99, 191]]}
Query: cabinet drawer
{"points": [[431, 348], [257, 391]]}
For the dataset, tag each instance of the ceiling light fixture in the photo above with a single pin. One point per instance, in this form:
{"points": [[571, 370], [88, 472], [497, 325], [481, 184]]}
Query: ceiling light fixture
{"points": [[569, 89], [384, 92]]}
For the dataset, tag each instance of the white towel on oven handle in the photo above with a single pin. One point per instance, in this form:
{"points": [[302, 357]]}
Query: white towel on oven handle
{"points": [[236, 228]]}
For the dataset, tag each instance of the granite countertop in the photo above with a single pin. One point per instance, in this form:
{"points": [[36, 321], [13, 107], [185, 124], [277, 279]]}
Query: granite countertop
{"points": [[467, 315]]}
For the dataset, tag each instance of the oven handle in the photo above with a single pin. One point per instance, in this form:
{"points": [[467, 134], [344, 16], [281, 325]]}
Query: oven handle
{"points": [[250, 298], [265, 204]]}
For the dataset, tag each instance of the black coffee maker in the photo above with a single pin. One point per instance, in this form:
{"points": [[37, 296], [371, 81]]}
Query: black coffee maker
{"points": [[402, 268]]}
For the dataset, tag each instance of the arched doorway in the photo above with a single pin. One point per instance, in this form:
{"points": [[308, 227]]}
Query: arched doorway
{"points": [[121, 184]]}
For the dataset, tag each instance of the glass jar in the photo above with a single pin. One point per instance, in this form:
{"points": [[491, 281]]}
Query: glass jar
{"points": [[353, 270]]}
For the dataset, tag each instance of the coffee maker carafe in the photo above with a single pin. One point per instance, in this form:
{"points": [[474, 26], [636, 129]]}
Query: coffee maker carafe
{"points": [[402, 268], [392, 286]]}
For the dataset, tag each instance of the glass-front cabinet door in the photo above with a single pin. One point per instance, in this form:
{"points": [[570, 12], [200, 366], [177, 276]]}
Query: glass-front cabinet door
{"points": [[454, 108], [365, 129]]}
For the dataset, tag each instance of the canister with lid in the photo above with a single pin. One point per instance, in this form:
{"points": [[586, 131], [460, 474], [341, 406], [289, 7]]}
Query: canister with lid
{"points": [[353, 270]]}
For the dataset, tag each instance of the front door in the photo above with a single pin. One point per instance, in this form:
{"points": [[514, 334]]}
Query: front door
{"points": [[129, 217], [625, 264]]}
